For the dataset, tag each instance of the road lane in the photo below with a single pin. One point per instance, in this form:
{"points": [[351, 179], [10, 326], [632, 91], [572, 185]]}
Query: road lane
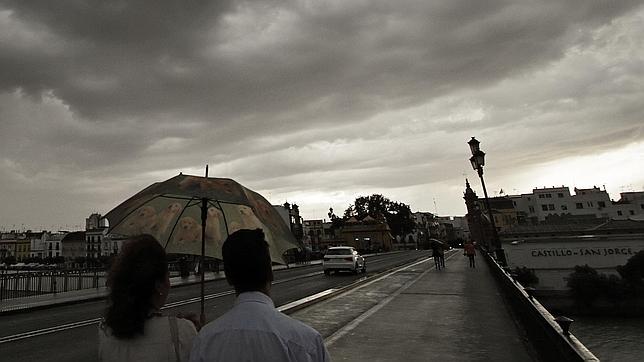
{"points": [[78, 344]]}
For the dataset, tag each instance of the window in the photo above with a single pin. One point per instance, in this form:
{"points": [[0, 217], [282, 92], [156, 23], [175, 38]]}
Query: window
{"points": [[560, 195], [619, 212], [541, 196], [544, 207], [601, 204], [579, 205], [551, 207], [642, 206], [531, 208], [529, 198], [589, 203], [632, 212], [548, 196]]}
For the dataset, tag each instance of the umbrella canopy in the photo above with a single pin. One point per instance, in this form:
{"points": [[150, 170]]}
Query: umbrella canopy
{"points": [[172, 212], [438, 242]]}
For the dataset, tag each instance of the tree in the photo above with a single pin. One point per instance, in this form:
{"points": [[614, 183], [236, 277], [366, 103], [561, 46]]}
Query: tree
{"points": [[584, 284], [397, 214], [633, 272], [526, 277]]}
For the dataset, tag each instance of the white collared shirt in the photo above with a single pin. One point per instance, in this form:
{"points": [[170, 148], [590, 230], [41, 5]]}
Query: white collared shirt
{"points": [[253, 330]]}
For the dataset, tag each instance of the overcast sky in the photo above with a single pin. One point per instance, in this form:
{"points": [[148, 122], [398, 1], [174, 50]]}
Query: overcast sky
{"points": [[315, 102]]}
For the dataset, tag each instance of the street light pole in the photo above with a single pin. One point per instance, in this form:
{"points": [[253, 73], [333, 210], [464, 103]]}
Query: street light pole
{"points": [[478, 161]]}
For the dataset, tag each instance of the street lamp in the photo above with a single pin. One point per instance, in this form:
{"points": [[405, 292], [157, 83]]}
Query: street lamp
{"points": [[478, 161]]}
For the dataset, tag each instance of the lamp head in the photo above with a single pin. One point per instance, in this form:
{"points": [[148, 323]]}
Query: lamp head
{"points": [[474, 145], [477, 160]]}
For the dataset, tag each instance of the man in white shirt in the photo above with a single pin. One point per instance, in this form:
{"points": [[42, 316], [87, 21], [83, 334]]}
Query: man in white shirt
{"points": [[253, 330]]}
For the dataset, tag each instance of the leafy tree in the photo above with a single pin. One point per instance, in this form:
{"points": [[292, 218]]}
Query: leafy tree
{"points": [[336, 222], [526, 276], [583, 283], [633, 272], [80, 260], [397, 214], [614, 288], [9, 260]]}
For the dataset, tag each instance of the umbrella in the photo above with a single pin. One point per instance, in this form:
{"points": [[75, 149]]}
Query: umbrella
{"points": [[194, 215]]}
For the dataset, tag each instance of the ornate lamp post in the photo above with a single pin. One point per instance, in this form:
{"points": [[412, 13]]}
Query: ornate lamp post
{"points": [[478, 161]]}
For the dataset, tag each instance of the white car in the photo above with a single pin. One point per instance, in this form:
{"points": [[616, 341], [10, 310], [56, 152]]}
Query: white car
{"points": [[343, 258]]}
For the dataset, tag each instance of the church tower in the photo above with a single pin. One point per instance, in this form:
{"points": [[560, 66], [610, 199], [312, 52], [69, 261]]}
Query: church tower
{"points": [[477, 223]]}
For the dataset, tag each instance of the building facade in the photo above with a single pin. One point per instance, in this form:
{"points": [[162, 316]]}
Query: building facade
{"points": [[367, 235], [96, 244], [555, 202], [53, 245], [74, 246]]}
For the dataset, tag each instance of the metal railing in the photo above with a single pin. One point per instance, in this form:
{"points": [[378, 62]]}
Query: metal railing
{"points": [[22, 284], [551, 338]]}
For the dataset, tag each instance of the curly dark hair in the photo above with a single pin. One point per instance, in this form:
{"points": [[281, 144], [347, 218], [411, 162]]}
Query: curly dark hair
{"points": [[132, 282]]}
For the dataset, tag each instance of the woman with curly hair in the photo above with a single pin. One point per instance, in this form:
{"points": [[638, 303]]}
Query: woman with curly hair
{"points": [[133, 328]]}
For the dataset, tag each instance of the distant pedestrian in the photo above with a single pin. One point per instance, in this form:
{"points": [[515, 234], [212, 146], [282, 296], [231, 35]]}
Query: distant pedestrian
{"points": [[441, 255], [133, 328], [470, 251], [438, 254], [254, 330]]}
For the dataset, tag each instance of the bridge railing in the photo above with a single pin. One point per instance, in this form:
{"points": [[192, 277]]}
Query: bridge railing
{"points": [[24, 284], [552, 342]]}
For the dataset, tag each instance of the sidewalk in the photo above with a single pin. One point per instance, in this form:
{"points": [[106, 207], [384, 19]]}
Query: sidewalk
{"points": [[421, 314], [76, 296]]}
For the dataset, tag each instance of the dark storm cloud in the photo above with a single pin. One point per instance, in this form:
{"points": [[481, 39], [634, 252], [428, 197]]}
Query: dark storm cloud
{"points": [[202, 60], [297, 94]]}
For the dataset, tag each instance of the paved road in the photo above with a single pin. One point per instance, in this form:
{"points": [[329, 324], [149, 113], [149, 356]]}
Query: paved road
{"points": [[79, 344]]}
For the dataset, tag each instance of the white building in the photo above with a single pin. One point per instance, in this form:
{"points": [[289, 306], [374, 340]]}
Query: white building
{"points": [[459, 226], [37, 244], [630, 205], [558, 201], [53, 246], [95, 232], [112, 244]]}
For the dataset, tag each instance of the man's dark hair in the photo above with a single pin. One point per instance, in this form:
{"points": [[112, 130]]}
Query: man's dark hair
{"points": [[247, 260]]}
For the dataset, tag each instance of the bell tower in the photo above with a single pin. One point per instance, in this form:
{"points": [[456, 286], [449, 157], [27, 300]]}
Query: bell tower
{"points": [[474, 216]]}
